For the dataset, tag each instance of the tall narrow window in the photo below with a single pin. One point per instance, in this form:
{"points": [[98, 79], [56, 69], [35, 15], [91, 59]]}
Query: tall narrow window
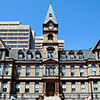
{"points": [[63, 71], [73, 87], [47, 70], [6, 69], [17, 87], [50, 70], [27, 87], [0, 68], [82, 87], [64, 87], [29, 56], [27, 70], [50, 53], [36, 87], [54, 70], [72, 71], [95, 86], [81, 71], [93, 70], [1, 54], [37, 71], [4, 87], [18, 71]]}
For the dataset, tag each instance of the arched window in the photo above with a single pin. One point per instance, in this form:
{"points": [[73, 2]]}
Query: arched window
{"points": [[63, 70], [50, 70], [6, 69], [37, 71], [72, 71], [0, 68], [27, 70], [18, 71], [50, 37], [93, 70], [81, 71]]}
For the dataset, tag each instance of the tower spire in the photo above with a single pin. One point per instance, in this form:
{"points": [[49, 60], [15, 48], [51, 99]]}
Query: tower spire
{"points": [[50, 15]]}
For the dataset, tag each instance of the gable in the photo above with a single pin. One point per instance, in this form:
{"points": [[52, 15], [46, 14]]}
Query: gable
{"points": [[96, 46]]}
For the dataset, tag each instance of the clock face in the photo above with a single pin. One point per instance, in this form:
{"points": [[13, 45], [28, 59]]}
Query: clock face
{"points": [[50, 27]]}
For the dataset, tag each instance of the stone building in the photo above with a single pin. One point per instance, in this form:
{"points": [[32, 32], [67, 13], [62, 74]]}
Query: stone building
{"points": [[50, 71]]}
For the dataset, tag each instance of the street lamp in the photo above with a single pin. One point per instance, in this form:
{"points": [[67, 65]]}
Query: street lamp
{"points": [[91, 88]]}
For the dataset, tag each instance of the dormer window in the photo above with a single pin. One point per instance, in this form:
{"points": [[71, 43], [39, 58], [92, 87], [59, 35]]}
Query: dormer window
{"points": [[29, 56], [80, 56], [98, 54], [1, 54], [38, 55], [20, 56], [62, 56], [71, 56]]}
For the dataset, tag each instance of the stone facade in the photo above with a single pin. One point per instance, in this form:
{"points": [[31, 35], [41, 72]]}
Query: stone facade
{"points": [[50, 71]]}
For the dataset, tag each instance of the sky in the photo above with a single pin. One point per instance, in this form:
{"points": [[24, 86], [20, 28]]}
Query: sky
{"points": [[79, 20]]}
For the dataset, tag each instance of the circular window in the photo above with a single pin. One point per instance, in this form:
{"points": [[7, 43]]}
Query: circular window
{"points": [[50, 27]]}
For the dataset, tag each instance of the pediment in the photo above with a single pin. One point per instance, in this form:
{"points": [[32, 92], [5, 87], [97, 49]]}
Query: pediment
{"points": [[50, 61]]}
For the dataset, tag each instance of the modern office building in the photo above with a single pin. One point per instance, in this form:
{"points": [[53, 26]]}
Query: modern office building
{"points": [[16, 36], [49, 70]]}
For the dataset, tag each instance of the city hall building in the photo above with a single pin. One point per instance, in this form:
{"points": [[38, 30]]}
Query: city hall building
{"points": [[47, 69]]}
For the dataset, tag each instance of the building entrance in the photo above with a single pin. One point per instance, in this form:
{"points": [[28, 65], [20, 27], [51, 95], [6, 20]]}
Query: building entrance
{"points": [[50, 90]]}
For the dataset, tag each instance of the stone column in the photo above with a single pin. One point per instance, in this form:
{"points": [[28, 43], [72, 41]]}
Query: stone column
{"points": [[68, 87], [22, 87], [10, 69], [44, 70], [0, 86], [8, 86], [78, 87], [44, 88], [23, 71], [32, 87], [56, 88], [40, 87]]}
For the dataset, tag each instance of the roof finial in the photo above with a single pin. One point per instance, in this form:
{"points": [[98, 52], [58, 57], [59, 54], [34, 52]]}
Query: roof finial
{"points": [[50, 1]]}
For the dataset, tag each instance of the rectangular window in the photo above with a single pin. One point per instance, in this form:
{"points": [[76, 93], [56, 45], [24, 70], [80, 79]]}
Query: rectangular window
{"points": [[36, 87], [64, 87], [80, 56], [37, 56], [4, 87], [17, 87], [62, 56], [93, 72], [50, 54], [20, 56], [27, 87], [71, 56], [73, 87], [95, 86], [82, 87], [29, 56]]}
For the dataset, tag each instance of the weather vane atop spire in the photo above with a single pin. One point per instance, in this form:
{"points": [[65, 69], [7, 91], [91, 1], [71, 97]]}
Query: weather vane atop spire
{"points": [[50, 1]]}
